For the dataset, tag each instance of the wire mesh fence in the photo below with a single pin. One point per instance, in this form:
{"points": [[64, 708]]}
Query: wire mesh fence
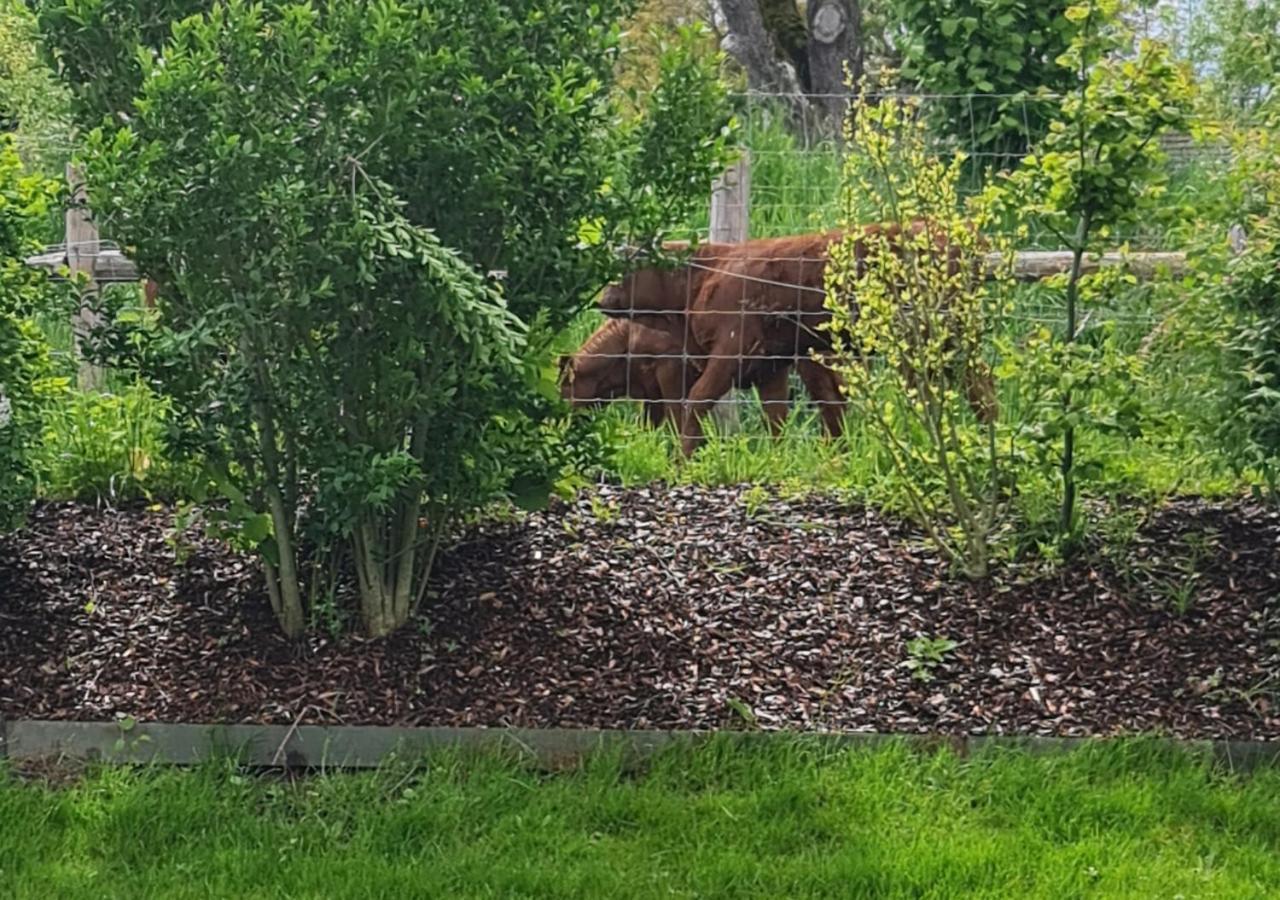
{"points": [[753, 354], [736, 329], [796, 164]]}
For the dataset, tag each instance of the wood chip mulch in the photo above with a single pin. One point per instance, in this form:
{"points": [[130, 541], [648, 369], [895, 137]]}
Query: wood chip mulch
{"points": [[666, 608]]}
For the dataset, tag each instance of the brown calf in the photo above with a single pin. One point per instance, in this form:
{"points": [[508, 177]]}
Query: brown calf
{"points": [[626, 359]]}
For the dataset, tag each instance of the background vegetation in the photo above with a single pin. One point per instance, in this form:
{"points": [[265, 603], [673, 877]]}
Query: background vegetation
{"points": [[1172, 380]]}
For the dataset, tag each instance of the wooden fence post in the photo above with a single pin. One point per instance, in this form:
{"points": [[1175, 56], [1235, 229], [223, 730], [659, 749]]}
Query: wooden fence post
{"points": [[83, 245], [731, 224], [1237, 238], [731, 203]]}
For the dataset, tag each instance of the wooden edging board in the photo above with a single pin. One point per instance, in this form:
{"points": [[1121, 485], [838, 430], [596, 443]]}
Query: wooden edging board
{"points": [[354, 747]]}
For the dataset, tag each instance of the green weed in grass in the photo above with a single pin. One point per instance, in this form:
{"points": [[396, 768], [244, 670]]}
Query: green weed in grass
{"points": [[725, 820]]}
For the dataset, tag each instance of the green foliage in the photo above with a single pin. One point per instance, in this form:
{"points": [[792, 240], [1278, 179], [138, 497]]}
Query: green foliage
{"points": [[321, 190], [32, 102], [911, 306], [1250, 288], [109, 446], [94, 45], [1099, 168], [1004, 48], [27, 374], [1237, 44], [1100, 162]]}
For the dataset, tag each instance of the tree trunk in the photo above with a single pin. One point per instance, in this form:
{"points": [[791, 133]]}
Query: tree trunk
{"points": [[283, 580], [388, 556], [1067, 518], [749, 42], [835, 41]]}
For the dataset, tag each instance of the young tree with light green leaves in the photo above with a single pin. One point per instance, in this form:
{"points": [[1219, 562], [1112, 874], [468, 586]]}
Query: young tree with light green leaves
{"points": [[912, 303], [1097, 170]]}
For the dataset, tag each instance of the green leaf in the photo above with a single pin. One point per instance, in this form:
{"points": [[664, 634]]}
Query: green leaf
{"points": [[531, 493], [257, 528]]}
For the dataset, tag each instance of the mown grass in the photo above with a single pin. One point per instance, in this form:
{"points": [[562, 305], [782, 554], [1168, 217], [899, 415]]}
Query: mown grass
{"points": [[787, 820]]}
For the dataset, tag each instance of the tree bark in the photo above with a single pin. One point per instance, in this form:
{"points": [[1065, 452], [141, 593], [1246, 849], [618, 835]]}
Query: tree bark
{"points": [[835, 40], [749, 42]]}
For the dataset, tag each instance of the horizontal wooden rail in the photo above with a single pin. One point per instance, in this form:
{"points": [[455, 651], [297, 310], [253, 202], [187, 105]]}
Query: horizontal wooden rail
{"points": [[113, 267], [109, 266], [1035, 265]]}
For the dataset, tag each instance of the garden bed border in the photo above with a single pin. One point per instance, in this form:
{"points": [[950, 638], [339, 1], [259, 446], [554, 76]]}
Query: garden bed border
{"points": [[368, 746]]}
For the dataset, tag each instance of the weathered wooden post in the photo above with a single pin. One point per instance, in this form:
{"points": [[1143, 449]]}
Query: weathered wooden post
{"points": [[731, 224], [83, 246], [1237, 238], [731, 202]]}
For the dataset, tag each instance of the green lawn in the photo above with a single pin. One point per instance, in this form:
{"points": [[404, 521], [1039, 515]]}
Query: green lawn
{"points": [[1126, 820]]}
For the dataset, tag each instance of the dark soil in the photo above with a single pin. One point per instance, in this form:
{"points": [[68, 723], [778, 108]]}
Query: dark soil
{"points": [[666, 608]]}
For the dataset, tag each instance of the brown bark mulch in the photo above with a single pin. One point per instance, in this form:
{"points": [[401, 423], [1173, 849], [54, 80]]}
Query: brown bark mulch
{"points": [[666, 608]]}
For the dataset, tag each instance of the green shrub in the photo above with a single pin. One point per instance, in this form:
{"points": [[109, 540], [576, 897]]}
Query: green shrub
{"points": [[334, 336], [1250, 428], [27, 374], [984, 61]]}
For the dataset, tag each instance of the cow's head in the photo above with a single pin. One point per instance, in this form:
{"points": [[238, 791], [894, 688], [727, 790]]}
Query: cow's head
{"points": [[597, 372]]}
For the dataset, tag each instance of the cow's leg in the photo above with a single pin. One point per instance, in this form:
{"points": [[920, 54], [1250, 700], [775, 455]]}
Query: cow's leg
{"points": [[823, 385], [715, 381], [774, 399], [655, 412], [675, 378]]}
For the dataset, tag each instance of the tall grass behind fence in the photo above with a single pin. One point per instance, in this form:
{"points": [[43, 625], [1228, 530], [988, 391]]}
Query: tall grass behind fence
{"points": [[795, 188], [795, 178]]}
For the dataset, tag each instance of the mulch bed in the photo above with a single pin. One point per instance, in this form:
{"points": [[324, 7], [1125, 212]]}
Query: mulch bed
{"points": [[665, 608]]}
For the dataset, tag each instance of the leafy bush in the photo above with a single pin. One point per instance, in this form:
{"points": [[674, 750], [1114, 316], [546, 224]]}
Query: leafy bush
{"points": [[1004, 49], [911, 306], [27, 375], [321, 190], [1250, 429]]}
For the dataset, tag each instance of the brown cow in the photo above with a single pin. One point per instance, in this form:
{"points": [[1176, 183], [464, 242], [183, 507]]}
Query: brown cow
{"points": [[751, 309], [626, 359]]}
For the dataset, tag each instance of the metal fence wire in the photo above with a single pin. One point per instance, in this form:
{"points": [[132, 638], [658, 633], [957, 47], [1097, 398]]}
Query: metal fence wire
{"points": [[759, 353]]}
